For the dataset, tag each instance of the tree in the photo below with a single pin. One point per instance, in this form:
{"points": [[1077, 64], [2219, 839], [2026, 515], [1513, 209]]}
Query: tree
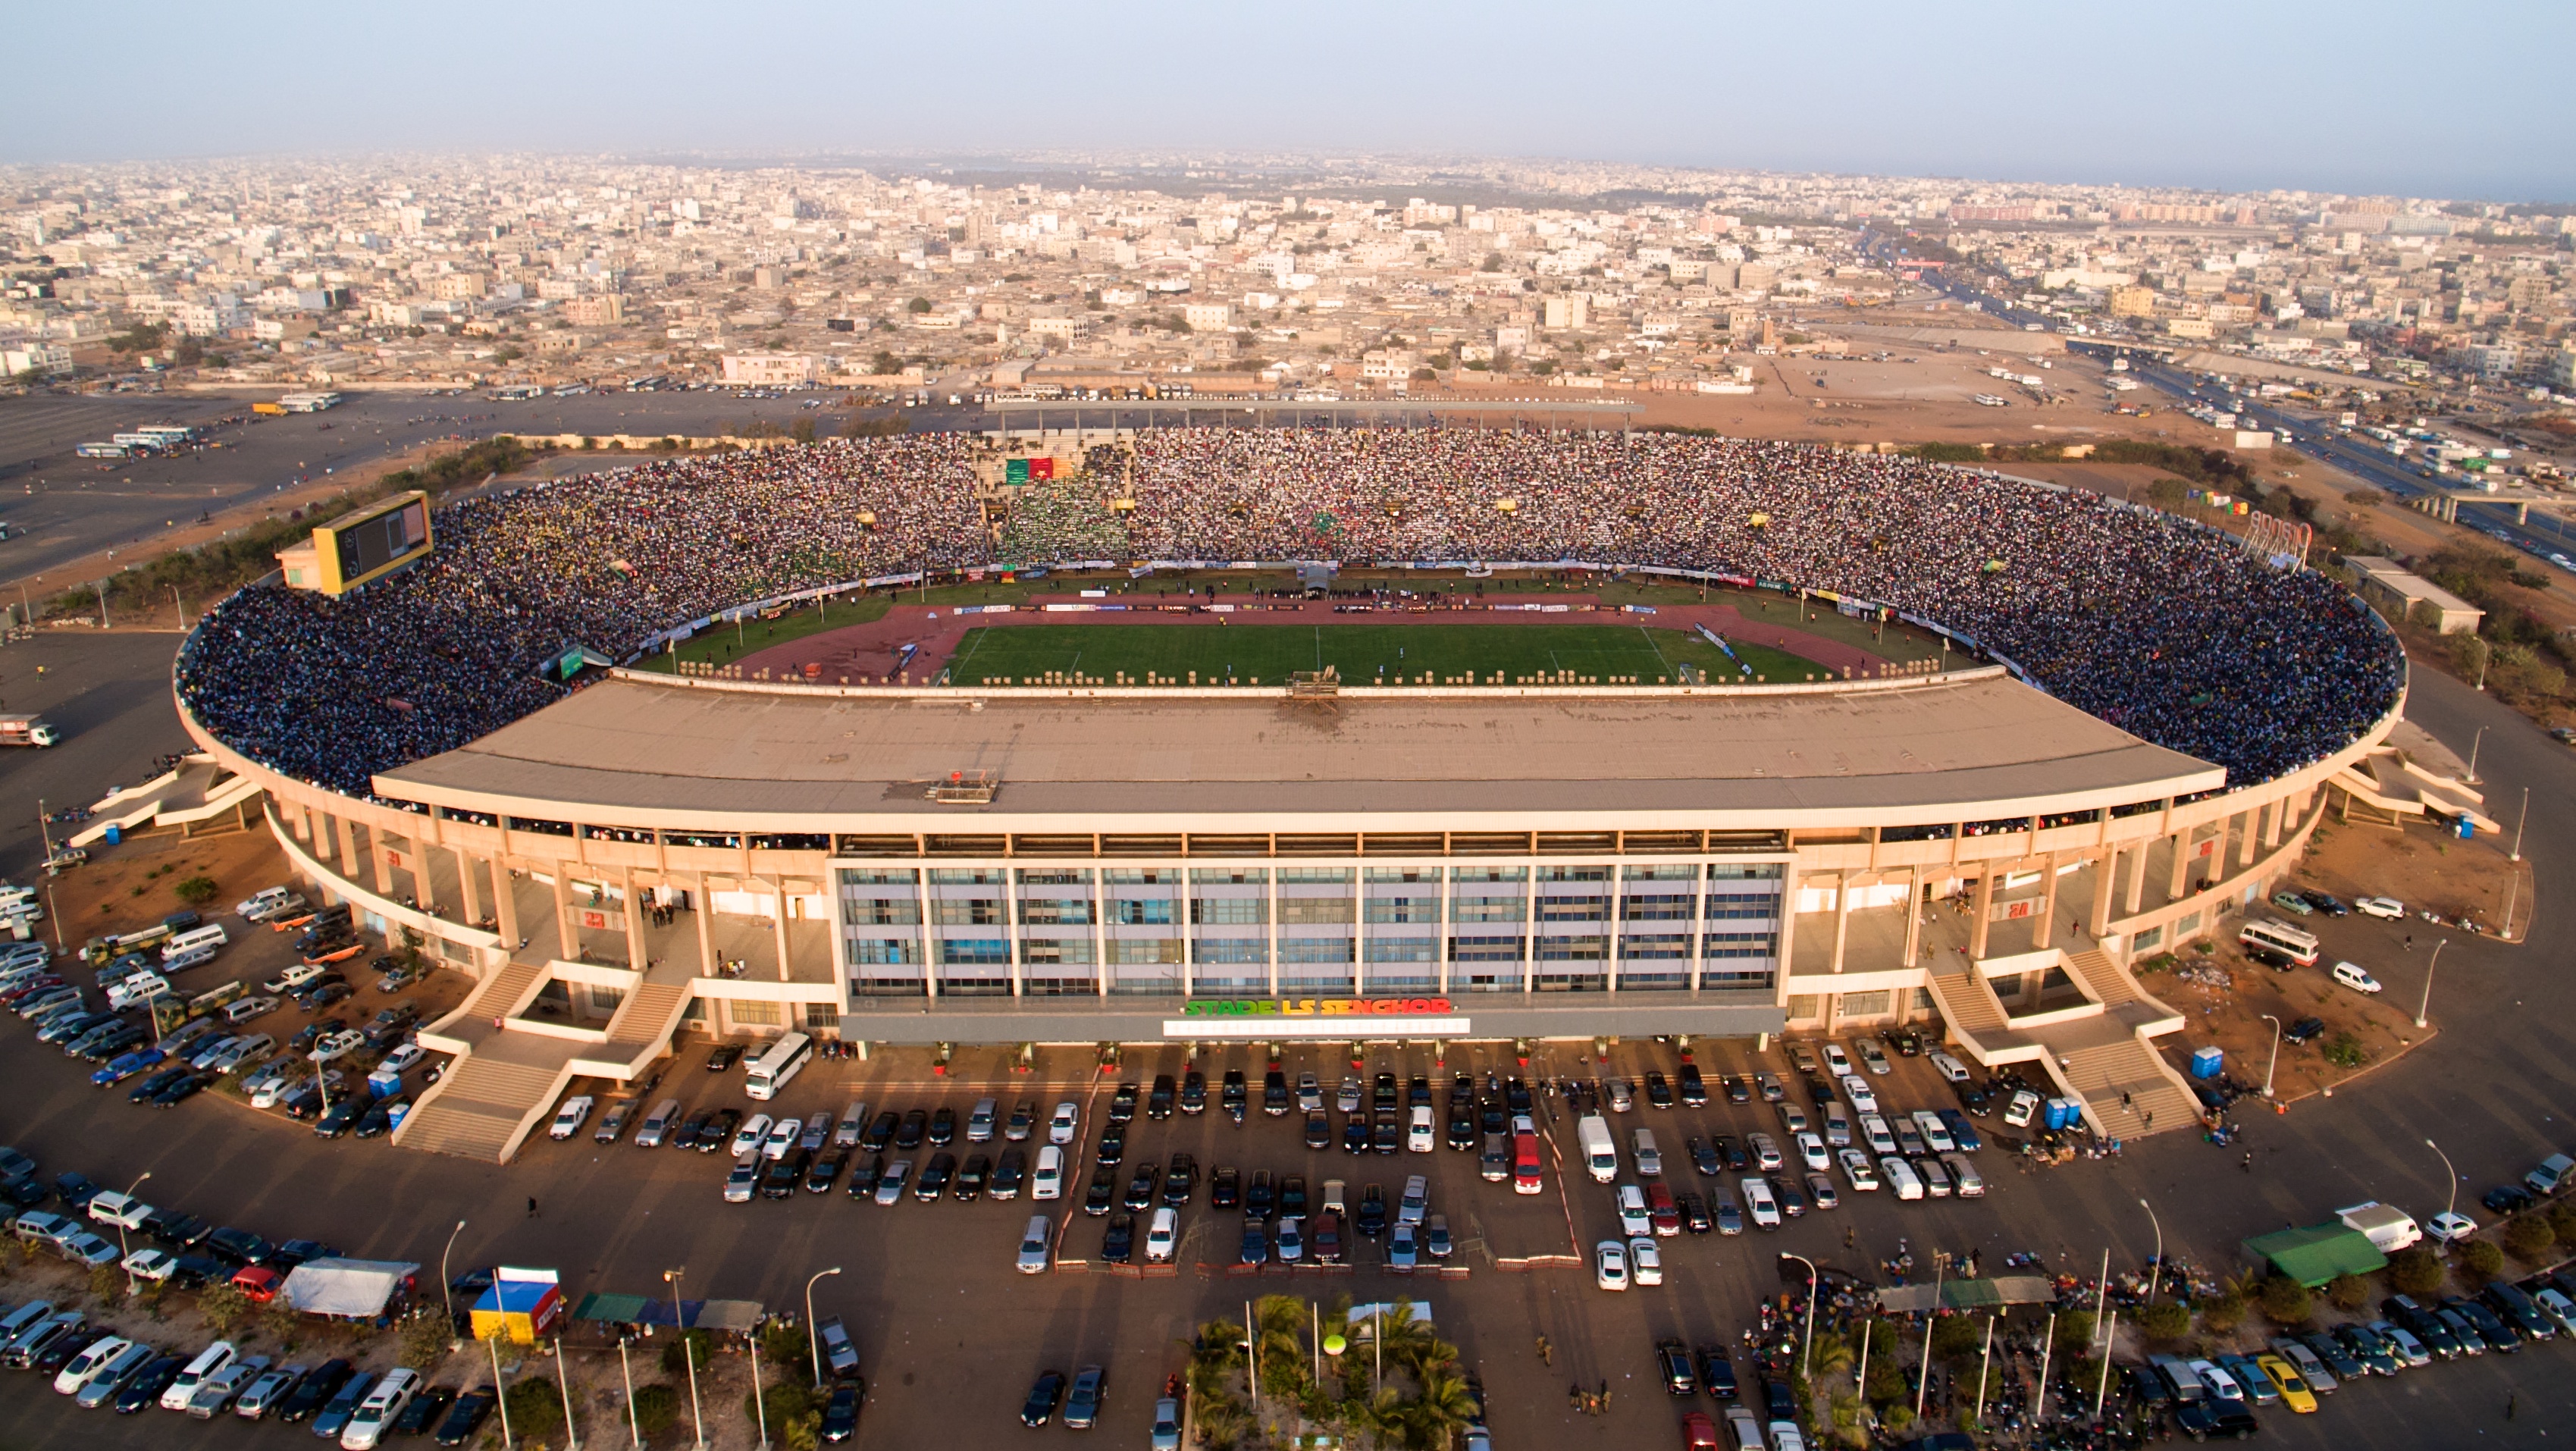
{"points": [[2223, 1313], [2480, 1261], [107, 1284], [2074, 1331], [424, 1341], [2530, 1237], [2348, 1293], [657, 1406], [2285, 1301], [2562, 1218], [786, 1405], [2365, 498], [282, 1323], [802, 430], [788, 1351], [535, 1405], [917, 306], [2415, 1270], [196, 891], [677, 1351], [223, 1306], [2164, 1320]]}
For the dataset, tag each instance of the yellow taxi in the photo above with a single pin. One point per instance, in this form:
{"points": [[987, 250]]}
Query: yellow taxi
{"points": [[2294, 1386]]}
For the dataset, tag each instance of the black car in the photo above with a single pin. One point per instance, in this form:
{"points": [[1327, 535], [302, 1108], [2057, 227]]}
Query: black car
{"points": [[424, 1410], [784, 1173], [342, 1117], [864, 1174], [1142, 1184], [76, 1191], [880, 1132], [1694, 1087], [22, 1191], [1158, 1102], [1180, 1180], [2304, 1030], [1231, 1095], [972, 1176], [943, 1127], [1694, 1212], [1194, 1092], [241, 1246], [1371, 1219], [144, 1391], [1737, 1160], [1739, 1089], [1717, 1372], [1039, 1408], [1103, 1191], [154, 1086], [1225, 1188], [314, 1391], [176, 1229], [466, 1416], [818, 1179], [1292, 1197], [718, 1131], [1462, 1131], [934, 1177], [1274, 1093], [1659, 1094], [1386, 1136], [1009, 1173], [1113, 1146], [1355, 1135], [1122, 1104], [915, 1124], [378, 1120], [189, 1271], [1319, 1130], [2506, 1199], [2326, 902], [1382, 1093], [841, 1413], [1417, 1092], [1259, 1198], [1118, 1242], [719, 1058], [300, 1251], [1673, 1362]]}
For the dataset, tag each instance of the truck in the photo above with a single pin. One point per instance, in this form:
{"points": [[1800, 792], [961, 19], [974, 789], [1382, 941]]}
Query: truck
{"points": [[1600, 1152], [2387, 1227], [27, 730]]}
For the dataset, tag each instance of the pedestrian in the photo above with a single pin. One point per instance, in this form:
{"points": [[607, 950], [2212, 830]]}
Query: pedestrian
{"points": [[532, 1206], [2410, 942], [2150, 1117], [2124, 1099], [1850, 1236], [2249, 1161], [2511, 1400]]}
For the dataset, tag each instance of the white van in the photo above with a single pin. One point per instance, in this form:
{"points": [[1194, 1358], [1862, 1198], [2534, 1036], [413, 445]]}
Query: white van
{"points": [[1901, 1178], [1048, 1180], [209, 1361], [191, 940], [137, 990], [378, 1410], [1600, 1153]]}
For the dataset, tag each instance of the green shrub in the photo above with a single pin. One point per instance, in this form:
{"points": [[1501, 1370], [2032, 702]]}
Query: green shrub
{"points": [[2286, 1302], [2223, 1314], [675, 1351], [2480, 1261], [536, 1406], [2348, 1293], [2530, 1237], [2164, 1320], [2415, 1270], [657, 1407]]}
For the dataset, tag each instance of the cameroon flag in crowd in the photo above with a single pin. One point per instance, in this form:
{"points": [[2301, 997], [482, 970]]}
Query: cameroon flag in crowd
{"points": [[1024, 470]]}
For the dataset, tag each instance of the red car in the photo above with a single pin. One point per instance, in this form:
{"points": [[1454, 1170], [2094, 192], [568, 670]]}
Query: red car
{"points": [[1661, 1210], [1699, 1433], [260, 1285]]}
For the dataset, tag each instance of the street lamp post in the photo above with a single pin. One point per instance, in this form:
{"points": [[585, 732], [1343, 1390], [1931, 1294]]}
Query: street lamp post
{"points": [[2275, 1060], [2156, 1274], [2476, 741], [2520, 822], [2424, 1008], [689, 1353], [2449, 1175], [121, 1249], [813, 1340], [1807, 1346], [563, 1384], [759, 1408], [447, 1295]]}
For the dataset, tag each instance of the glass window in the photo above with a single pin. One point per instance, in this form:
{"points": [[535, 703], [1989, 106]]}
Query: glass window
{"points": [[1403, 874], [1404, 909], [1656, 907], [2148, 937], [822, 1015], [884, 951], [1233, 951], [1229, 911], [1229, 874], [758, 1014], [1132, 951], [974, 951], [1574, 874], [1865, 1005], [1740, 944], [1665, 872], [1140, 874], [1490, 909], [1638, 946], [1724, 905], [881, 911], [879, 876], [1573, 909], [1051, 950], [965, 876], [1054, 877], [1403, 949], [967, 911], [1141, 911], [1314, 949], [1314, 874], [1314, 910], [1055, 912], [1573, 949], [1489, 874], [1485, 949], [1744, 872]]}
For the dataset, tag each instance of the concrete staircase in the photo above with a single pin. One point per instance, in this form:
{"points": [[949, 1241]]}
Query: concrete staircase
{"points": [[483, 1107], [1974, 1015], [643, 1025], [2159, 1100]]}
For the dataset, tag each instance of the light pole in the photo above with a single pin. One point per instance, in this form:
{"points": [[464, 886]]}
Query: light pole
{"points": [[1807, 1347], [447, 1295], [121, 1250], [2520, 822], [2476, 741], [813, 1340], [625, 1368], [689, 1353], [2425, 1007], [2275, 1060], [759, 1407], [2156, 1274], [563, 1383], [2449, 1174]]}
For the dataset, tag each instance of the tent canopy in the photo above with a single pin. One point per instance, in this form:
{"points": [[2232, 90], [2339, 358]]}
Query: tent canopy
{"points": [[2316, 1254], [347, 1289], [1968, 1294]]}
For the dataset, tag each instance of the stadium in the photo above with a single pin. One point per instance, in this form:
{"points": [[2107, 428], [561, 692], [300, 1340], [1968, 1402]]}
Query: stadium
{"points": [[2125, 729]]}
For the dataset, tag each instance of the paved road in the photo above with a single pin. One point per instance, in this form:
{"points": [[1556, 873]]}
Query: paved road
{"points": [[109, 692]]}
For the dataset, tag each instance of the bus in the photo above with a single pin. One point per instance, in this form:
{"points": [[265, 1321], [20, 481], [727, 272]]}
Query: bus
{"points": [[772, 1070], [2279, 939], [104, 450]]}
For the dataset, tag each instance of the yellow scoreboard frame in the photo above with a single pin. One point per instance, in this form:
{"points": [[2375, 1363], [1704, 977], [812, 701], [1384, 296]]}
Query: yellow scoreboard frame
{"points": [[401, 522]]}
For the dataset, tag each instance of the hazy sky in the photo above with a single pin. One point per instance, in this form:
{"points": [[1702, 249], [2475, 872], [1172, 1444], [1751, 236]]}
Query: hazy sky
{"points": [[2463, 99]]}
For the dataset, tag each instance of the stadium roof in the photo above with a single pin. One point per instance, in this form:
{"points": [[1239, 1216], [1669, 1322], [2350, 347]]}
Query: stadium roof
{"points": [[1973, 747]]}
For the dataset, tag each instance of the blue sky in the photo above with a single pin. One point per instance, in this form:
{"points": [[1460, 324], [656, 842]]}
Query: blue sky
{"points": [[2465, 99]]}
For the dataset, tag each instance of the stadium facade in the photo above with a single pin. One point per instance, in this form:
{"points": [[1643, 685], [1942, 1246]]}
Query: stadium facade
{"points": [[655, 854]]}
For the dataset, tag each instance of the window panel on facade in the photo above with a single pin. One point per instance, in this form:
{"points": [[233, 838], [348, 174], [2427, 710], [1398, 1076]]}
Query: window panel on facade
{"points": [[1655, 907], [1229, 911], [967, 911], [1404, 909]]}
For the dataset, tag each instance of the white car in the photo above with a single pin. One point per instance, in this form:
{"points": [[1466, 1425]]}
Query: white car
{"points": [[1645, 1262], [2388, 907], [1067, 1123], [1419, 1136], [155, 1265], [1857, 1089], [1811, 1152], [568, 1119], [2024, 1104], [1162, 1236], [1858, 1169], [1048, 1180], [88, 1363], [1935, 1132], [2450, 1227], [782, 1137], [1415, 1202], [1874, 1130], [1951, 1069], [2351, 976], [124, 1211], [379, 1410], [344, 1043], [1610, 1265], [1034, 1245], [1837, 1062], [747, 1139], [1633, 1219], [1766, 1151], [403, 1059], [207, 1362], [291, 979], [742, 1179], [1758, 1201]]}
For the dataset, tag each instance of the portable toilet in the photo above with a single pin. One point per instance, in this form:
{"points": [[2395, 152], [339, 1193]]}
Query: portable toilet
{"points": [[116, 834], [2206, 1062], [2059, 1112], [383, 1083]]}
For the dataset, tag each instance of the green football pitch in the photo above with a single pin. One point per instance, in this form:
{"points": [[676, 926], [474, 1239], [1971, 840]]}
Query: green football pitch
{"points": [[1364, 654]]}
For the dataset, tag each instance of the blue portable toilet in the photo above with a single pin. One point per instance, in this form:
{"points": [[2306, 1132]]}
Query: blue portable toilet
{"points": [[115, 833], [2206, 1062], [2468, 829]]}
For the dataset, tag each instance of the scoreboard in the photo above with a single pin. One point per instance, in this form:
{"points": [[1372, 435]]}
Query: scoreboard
{"points": [[355, 549]]}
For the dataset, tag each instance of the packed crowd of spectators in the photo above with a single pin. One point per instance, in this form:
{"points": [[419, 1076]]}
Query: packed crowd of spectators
{"points": [[2157, 624]]}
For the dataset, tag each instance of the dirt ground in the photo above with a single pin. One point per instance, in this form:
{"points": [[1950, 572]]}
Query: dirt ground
{"points": [[134, 884]]}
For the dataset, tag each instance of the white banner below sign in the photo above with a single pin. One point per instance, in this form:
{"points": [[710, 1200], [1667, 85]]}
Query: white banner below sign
{"points": [[1387, 1025]]}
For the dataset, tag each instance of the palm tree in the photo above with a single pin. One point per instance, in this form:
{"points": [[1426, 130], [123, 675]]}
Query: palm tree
{"points": [[1832, 1354], [1444, 1408], [1284, 1352]]}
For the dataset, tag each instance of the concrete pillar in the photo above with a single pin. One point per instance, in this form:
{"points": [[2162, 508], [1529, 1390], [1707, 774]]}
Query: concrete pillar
{"points": [[1981, 903], [1827, 1006], [2244, 838], [634, 919], [348, 847], [700, 909], [505, 903], [1842, 916], [2105, 879], [2046, 932], [299, 820], [377, 851], [2181, 866], [1788, 932], [778, 920], [1913, 922], [566, 939], [2137, 896], [469, 892], [423, 880], [2273, 826]]}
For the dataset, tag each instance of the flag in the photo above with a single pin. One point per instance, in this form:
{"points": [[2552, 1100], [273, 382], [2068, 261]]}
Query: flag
{"points": [[1015, 471], [1041, 468]]}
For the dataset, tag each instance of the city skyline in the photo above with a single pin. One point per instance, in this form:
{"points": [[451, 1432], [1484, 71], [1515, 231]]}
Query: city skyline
{"points": [[2211, 99]]}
